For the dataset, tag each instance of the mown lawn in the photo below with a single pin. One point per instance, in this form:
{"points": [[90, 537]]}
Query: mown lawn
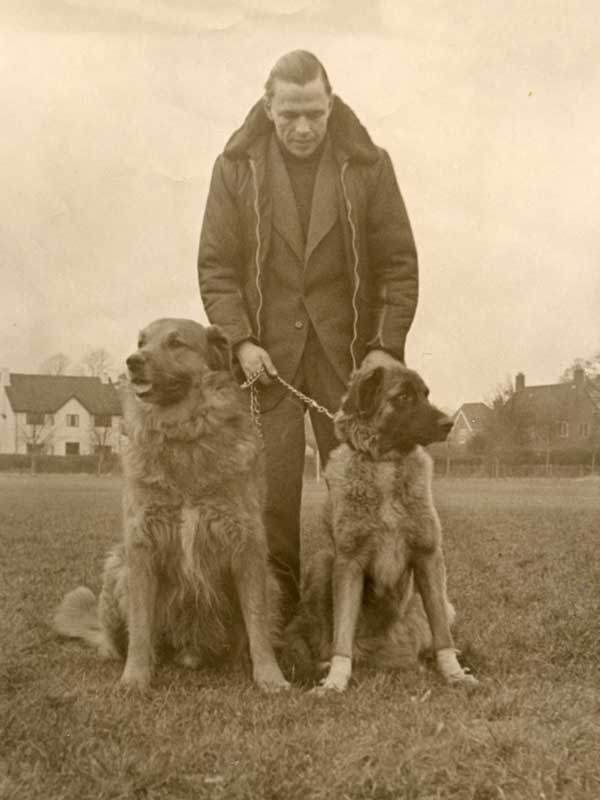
{"points": [[524, 574]]}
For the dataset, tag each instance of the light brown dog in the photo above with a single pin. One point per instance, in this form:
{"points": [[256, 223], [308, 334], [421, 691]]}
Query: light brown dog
{"points": [[191, 576], [378, 594]]}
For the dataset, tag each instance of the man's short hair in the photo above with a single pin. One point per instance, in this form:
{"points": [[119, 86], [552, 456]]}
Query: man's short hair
{"points": [[300, 67]]}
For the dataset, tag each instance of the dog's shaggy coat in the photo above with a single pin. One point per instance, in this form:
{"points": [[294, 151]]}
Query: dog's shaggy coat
{"points": [[190, 578], [359, 598]]}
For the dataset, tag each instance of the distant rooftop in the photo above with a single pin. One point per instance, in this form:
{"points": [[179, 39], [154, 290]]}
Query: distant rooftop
{"points": [[48, 393], [475, 414]]}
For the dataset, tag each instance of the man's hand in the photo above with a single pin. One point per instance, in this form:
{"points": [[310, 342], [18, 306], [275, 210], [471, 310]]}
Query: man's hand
{"points": [[378, 358], [252, 359]]}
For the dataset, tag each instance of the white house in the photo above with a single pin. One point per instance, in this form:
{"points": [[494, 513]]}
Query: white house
{"points": [[58, 414], [469, 420]]}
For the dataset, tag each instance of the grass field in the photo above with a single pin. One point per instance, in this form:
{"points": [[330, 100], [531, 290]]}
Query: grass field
{"points": [[524, 574]]}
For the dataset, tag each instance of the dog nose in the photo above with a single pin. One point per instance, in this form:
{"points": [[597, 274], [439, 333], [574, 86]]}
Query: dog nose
{"points": [[446, 423], [135, 360]]}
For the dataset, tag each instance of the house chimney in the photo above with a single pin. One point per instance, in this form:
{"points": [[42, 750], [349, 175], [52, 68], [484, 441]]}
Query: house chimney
{"points": [[578, 377], [519, 382]]}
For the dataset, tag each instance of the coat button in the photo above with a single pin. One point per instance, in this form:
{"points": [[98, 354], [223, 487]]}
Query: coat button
{"points": [[298, 324]]}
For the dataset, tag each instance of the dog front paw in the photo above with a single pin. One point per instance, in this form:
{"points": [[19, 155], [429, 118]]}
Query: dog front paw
{"points": [[452, 671], [338, 678], [136, 678], [269, 678]]}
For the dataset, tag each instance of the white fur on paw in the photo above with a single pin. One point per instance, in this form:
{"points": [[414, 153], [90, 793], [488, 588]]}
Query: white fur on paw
{"points": [[338, 677], [451, 669]]}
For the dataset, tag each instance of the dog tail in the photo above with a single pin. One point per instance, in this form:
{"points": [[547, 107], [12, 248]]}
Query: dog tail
{"points": [[77, 618]]}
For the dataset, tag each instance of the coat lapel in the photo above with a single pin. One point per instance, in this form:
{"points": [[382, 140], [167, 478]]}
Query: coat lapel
{"points": [[324, 211], [285, 214]]}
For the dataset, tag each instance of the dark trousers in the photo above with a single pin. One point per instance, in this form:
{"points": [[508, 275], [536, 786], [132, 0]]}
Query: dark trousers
{"points": [[284, 439]]}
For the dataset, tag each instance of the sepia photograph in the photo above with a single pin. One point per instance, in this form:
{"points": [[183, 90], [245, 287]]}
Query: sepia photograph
{"points": [[299, 400]]}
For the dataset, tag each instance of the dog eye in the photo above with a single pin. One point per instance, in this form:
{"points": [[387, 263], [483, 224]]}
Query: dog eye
{"points": [[174, 341], [406, 395]]}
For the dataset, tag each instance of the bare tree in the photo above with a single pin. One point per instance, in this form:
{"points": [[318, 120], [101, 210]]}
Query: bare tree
{"points": [[506, 428], [37, 436], [100, 436], [547, 431], [591, 367], [55, 365], [97, 363], [595, 441]]}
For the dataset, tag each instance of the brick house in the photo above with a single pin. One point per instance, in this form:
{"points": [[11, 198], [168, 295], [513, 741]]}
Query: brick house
{"points": [[561, 415], [58, 414]]}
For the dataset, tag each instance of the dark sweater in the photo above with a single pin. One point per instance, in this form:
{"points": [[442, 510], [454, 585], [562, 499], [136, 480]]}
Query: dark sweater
{"points": [[303, 174]]}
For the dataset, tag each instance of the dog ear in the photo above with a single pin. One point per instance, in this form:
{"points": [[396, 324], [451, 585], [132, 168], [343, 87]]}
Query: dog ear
{"points": [[218, 354], [364, 395]]}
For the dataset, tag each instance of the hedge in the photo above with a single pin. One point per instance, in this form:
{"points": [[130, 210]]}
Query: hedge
{"points": [[17, 462]]}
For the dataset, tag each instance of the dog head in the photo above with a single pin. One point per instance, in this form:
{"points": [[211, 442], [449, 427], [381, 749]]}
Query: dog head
{"points": [[172, 355], [387, 408]]}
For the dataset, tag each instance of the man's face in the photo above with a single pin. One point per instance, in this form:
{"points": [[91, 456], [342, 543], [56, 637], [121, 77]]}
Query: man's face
{"points": [[300, 115]]}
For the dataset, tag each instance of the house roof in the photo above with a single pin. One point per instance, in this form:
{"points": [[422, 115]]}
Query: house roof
{"points": [[593, 390], [475, 414], [48, 393], [555, 400], [545, 402]]}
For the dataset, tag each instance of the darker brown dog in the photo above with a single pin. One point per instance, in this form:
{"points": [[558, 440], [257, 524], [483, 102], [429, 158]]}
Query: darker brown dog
{"points": [[379, 593], [191, 576]]}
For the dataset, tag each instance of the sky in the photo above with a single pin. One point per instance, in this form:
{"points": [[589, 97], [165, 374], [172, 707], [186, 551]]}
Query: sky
{"points": [[115, 110]]}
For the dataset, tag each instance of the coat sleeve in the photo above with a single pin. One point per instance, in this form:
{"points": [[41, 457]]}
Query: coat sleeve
{"points": [[220, 258], [393, 262]]}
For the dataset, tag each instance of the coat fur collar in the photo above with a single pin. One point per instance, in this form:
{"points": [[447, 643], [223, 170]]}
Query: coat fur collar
{"points": [[350, 138]]}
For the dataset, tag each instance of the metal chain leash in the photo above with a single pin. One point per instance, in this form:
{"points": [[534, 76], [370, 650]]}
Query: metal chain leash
{"points": [[250, 383], [305, 398]]}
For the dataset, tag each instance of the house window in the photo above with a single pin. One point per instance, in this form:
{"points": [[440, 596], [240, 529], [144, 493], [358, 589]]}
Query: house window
{"points": [[563, 429], [35, 448], [462, 436], [71, 448], [584, 430], [102, 450], [72, 420], [102, 421], [34, 418]]}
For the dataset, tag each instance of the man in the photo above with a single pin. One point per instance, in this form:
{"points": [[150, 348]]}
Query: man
{"points": [[308, 263]]}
